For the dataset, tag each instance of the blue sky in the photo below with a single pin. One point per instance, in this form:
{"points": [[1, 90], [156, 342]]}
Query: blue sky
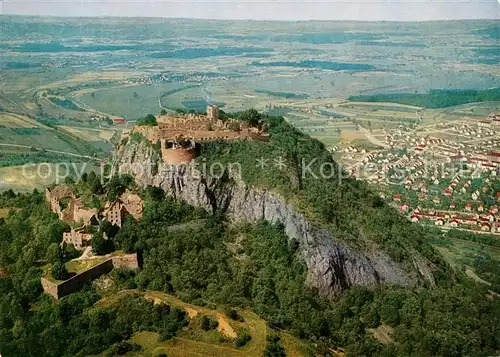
{"points": [[366, 10]]}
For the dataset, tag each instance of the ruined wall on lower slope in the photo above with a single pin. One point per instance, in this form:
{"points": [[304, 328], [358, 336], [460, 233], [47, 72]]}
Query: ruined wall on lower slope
{"points": [[73, 284]]}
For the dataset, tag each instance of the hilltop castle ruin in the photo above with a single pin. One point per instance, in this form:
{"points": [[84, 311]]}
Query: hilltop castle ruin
{"points": [[63, 202], [126, 204], [179, 134]]}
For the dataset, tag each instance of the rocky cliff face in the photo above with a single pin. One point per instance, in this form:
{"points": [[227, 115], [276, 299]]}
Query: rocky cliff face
{"points": [[332, 264]]}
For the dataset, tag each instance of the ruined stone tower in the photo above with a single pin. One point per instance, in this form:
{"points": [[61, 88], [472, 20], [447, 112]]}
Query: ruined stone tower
{"points": [[213, 112]]}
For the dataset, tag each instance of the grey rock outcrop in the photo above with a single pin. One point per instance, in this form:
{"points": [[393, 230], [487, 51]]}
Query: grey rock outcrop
{"points": [[332, 264]]}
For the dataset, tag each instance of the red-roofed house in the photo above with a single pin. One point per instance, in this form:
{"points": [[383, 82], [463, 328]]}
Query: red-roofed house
{"points": [[454, 223], [494, 156], [495, 227], [447, 191], [119, 120], [397, 197], [419, 149], [469, 220], [468, 206], [485, 227], [453, 204]]}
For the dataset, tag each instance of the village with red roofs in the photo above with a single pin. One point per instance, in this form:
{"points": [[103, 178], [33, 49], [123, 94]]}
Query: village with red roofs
{"points": [[445, 174]]}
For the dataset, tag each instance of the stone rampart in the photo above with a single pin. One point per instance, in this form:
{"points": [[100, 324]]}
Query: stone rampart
{"points": [[154, 133], [50, 288], [129, 261], [76, 282], [58, 290]]}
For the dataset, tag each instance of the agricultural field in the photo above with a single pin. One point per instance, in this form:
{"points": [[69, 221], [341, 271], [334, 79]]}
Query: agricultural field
{"points": [[90, 134], [465, 256], [30, 175], [341, 84], [131, 102], [23, 132], [461, 253], [10, 121], [25, 178]]}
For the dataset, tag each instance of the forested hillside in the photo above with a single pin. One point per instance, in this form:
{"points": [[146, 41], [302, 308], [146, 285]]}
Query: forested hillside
{"points": [[435, 98], [208, 259], [313, 182], [225, 265]]}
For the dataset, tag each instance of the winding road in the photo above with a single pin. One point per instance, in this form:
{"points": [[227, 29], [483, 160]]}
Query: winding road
{"points": [[372, 139]]}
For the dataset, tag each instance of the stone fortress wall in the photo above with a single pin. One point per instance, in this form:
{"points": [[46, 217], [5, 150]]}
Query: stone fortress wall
{"points": [[74, 211], [127, 203], [197, 128], [58, 290], [79, 239], [76, 282], [50, 288], [128, 261]]}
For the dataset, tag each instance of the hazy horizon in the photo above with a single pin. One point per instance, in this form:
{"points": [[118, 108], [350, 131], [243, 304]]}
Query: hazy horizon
{"points": [[249, 20], [254, 10]]}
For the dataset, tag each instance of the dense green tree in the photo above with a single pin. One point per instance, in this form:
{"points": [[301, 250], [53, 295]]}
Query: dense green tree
{"points": [[53, 253], [251, 116], [274, 347], [69, 251], [148, 120], [59, 271], [101, 245], [109, 229]]}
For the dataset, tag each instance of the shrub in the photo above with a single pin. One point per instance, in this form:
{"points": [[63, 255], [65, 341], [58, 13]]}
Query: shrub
{"points": [[233, 314], [124, 347], [165, 336], [274, 348], [148, 120], [59, 271], [208, 324], [242, 340], [205, 323]]}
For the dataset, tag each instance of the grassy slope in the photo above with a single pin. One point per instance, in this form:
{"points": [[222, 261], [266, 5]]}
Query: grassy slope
{"points": [[4, 212], [462, 253], [192, 341]]}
